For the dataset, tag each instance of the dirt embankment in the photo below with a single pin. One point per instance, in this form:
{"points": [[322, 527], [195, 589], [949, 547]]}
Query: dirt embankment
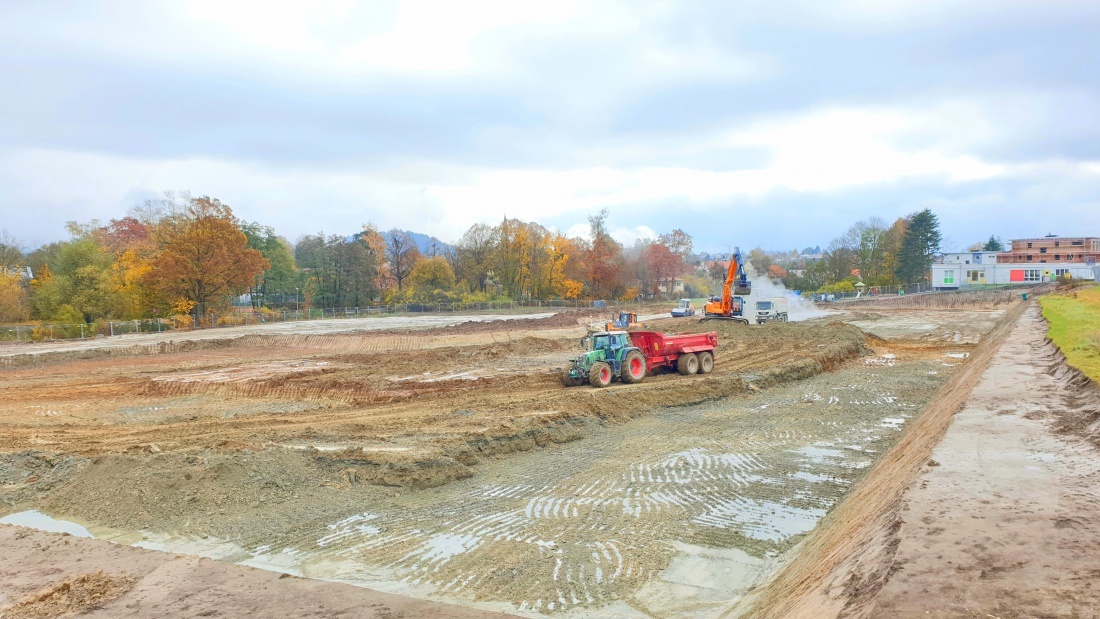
{"points": [[52, 580], [312, 418], [847, 559]]}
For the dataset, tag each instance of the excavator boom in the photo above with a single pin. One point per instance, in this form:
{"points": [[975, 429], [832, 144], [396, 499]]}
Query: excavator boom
{"points": [[737, 283]]}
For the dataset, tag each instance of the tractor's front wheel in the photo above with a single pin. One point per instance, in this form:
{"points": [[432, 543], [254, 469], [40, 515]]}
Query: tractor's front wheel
{"points": [[600, 374], [569, 380], [633, 367]]}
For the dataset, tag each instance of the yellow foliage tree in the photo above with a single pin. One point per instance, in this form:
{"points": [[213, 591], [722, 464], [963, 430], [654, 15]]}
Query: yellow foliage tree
{"points": [[13, 299]]}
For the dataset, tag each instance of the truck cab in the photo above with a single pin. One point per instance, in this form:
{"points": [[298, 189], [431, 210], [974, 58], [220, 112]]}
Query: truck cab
{"points": [[771, 309]]}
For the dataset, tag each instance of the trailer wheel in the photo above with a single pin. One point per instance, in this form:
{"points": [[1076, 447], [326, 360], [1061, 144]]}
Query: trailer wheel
{"points": [[687, 364], [633, 367], [600, 374], [706, 362]]}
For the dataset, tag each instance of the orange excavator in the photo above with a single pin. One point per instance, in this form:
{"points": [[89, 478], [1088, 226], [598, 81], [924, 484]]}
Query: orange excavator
{"points": [[731, 305]]}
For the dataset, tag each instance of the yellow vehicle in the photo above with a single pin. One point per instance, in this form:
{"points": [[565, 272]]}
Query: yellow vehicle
{"points": [[625, 322]]}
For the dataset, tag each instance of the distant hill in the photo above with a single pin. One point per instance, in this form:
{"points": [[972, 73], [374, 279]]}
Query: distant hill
{"points": [[428, 245]]}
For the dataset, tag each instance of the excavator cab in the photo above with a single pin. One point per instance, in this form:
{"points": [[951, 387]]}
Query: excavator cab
{"points": [[625, 322]]}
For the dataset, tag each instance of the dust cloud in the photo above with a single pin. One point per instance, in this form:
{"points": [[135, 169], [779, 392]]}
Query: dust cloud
{"points": [[763, 287]]}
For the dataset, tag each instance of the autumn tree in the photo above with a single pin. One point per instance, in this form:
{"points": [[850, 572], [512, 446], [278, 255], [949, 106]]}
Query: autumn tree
{"points": [[677, 242], [664, 267], [605, 260], [376, 248], [430, 280], [13, 298], [78, 276], [401, 255], [204, 256]]}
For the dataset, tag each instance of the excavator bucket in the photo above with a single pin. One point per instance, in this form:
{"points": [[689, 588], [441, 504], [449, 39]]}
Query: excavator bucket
{"points": [[743, 288]]}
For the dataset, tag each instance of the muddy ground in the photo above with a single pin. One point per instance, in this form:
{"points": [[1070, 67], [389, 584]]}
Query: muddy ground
{"points": [[450, 463]]}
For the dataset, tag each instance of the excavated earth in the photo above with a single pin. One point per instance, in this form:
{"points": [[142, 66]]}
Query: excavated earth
{"points": [[449, 463]]}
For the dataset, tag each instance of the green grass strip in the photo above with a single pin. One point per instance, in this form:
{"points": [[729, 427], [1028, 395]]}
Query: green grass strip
{"points": [[1074, 319]]}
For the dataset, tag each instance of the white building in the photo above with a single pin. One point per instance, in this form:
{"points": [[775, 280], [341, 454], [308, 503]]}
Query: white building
{"points": [[963, 270]]}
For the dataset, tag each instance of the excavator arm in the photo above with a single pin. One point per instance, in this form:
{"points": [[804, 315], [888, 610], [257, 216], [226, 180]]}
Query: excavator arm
{"points": [[737, 283]]}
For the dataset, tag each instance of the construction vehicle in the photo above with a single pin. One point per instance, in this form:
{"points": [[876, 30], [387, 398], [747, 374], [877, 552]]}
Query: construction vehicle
{"points": [[685, 308], [627, 321], [630, 356], [731, 305], [771, 309]]}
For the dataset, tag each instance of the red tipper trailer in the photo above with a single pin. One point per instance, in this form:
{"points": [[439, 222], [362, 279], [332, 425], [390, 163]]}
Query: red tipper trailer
{"points": [[688, 354]]}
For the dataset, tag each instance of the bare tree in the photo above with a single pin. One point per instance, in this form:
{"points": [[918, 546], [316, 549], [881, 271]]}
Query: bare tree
{"points": [[401, 254], [475, 255], [11, 256], [865, 241]]}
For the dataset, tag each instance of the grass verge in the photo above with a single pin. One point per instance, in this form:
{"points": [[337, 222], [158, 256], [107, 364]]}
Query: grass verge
{"points": [[1075, 327]]}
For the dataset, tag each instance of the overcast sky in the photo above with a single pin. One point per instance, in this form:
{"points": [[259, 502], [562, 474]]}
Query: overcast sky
{"points": [[745, 123]]}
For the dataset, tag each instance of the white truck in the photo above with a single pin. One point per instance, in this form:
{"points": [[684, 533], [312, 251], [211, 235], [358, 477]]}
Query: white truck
{"points": [[771, 309]]}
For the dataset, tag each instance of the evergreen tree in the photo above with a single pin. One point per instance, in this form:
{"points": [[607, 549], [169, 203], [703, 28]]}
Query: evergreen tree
{"points": [[993, 244], [920, 243]]}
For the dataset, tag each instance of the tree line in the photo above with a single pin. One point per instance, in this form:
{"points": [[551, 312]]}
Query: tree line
{"points": [[184, 256], [870, 251]]}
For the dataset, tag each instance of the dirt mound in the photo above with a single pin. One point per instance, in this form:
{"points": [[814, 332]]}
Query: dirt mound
{"points": [[71, 597], [25, 475], [1080, 414]]}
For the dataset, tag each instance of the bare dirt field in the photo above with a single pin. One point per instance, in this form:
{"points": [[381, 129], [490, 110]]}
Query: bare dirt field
{"points": [[449, 463]]}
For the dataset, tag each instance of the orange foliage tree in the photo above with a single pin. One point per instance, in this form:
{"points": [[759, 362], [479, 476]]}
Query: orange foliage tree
{"points": [[204, 255]]}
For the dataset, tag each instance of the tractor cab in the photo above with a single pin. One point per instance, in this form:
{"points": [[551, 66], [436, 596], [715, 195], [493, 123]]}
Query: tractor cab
{"points": [[604, 351]]}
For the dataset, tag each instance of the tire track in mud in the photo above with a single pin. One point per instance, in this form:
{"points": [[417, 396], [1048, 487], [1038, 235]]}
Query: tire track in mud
{"points": [[592, 523]]}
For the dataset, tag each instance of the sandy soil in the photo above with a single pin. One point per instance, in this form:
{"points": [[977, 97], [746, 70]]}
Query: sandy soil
{"points": [[998, 520], [445, 463], [48, 575], [1007, 521]]}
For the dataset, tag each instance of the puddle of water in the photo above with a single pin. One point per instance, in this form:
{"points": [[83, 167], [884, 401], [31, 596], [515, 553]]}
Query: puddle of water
{"points": [[819, 453], [1043, 457], [34, 519], [767, 521], [817, 477]]}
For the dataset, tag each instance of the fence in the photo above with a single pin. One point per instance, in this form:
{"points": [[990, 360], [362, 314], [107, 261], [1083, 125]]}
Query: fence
{"points": [[985, 298], [248, 316], [873, 292]]}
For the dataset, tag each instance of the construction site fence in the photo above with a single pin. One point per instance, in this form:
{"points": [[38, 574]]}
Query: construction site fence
{"points": [[872, 292], [981, 298], [249, 316]]}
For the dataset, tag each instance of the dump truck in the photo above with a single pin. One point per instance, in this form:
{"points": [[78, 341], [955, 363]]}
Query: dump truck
{"points": [[771, 309], [629, 356]]}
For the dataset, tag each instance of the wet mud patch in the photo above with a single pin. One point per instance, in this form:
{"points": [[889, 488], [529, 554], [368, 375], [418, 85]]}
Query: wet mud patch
{"points": [[628, 517], [72, 596]]}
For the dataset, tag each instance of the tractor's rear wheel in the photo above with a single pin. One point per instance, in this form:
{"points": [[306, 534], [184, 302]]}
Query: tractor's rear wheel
{"points": [[687, 364], [706, 362], [600, 374], [633, 367]]}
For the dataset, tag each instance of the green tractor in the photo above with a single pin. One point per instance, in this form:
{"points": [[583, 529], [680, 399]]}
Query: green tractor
{"points": [[608, 354]]}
